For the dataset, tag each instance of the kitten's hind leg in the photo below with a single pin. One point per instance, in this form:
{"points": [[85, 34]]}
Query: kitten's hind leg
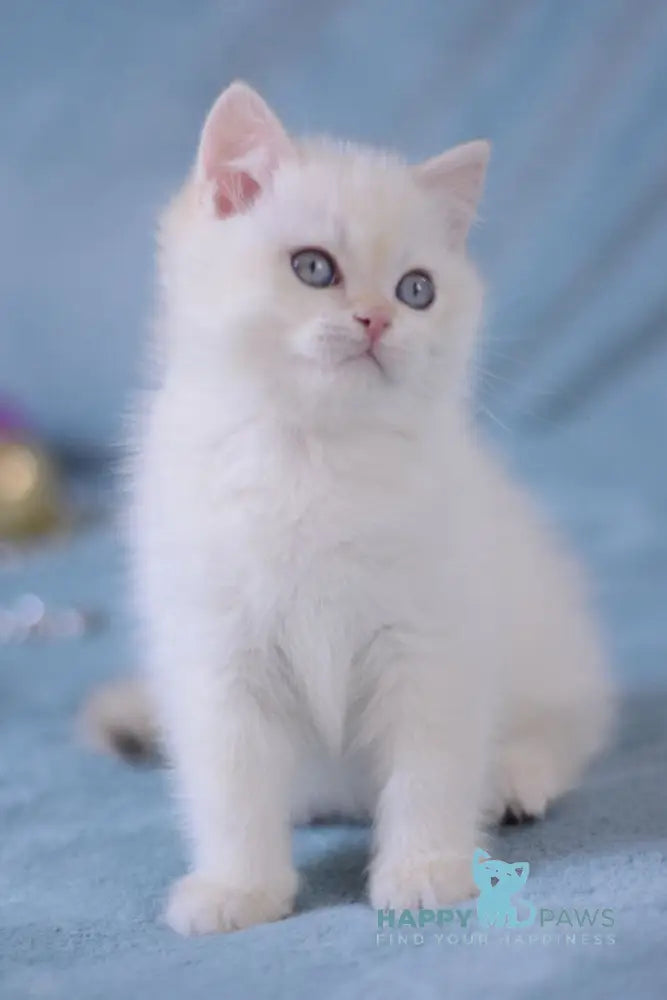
{"points": [[527, 781], [515, 816], [541, 760]]}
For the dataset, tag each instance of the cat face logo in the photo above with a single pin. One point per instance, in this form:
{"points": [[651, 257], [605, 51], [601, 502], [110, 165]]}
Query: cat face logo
{"points": [[498, 882]]}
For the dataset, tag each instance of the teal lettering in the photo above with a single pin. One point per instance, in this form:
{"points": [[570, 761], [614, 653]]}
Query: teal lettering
{"points": [[406, 919], [546, 916], [445, 917], [426, 917], [607, 917], [464, 916], [564, 918], [385, 918]]}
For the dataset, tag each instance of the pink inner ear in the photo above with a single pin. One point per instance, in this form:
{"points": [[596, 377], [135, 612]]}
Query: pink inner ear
{"points": [[232, 192], [241, 145]]}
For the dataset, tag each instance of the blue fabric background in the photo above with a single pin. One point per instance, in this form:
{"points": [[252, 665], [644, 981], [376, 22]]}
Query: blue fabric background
{"points": [[102, 106], [103, 103]]}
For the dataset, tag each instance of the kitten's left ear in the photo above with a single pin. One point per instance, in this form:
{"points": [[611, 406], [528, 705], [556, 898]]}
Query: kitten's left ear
{"points": [[457, 177], [242, 143]]}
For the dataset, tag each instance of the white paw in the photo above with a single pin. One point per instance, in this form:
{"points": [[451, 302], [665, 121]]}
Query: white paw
{"points": [[202, 904], [428, 880]]}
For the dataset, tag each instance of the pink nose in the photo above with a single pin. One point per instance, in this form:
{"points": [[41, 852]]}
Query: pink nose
{"points": [[376, 322]]}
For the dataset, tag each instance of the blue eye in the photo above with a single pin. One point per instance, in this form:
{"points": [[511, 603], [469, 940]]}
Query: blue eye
{"points": [[315, 268], [416, 290]]}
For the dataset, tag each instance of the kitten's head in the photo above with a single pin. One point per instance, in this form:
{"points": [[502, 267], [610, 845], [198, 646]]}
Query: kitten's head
{"points": [[325, 276]]}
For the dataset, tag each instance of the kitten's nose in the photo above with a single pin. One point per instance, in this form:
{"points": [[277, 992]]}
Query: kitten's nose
{"points": [[376, 322]]}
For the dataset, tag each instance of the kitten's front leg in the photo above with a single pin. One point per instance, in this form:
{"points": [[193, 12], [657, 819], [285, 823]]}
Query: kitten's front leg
{"points": [[430, 738], [232, 765]]}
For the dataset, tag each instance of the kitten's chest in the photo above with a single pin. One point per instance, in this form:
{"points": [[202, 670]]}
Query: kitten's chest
{"points": [[301, 556], [321, 546], [295, 508], [288, 526], [291, 528]]}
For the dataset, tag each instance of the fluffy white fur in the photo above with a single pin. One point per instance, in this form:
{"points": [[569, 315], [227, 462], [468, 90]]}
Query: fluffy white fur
{"points": [[347, 605]]}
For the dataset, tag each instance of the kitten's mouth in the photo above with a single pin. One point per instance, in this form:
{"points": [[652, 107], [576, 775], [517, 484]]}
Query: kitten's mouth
{"points": [[367, 355]]}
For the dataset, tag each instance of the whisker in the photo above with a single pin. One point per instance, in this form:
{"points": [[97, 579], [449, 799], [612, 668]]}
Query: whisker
{"points": [[487, 412], [488, 373]]}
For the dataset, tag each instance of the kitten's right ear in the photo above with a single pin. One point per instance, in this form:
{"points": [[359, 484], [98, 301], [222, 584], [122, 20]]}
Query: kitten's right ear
{"points": [[242, 143]]}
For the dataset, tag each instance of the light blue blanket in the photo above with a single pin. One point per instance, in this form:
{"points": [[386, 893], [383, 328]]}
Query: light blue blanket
{"points": [[100, 120], [89, 846]]}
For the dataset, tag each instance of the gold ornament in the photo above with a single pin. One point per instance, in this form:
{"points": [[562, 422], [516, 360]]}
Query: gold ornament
{"points": [[30, 502]]}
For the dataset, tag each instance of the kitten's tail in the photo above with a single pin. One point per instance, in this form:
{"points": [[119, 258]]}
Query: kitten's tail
{"points": [[118, 718]]}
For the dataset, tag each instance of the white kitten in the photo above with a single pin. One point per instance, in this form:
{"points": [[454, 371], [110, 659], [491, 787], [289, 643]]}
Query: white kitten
{"points": [[347, 605]]}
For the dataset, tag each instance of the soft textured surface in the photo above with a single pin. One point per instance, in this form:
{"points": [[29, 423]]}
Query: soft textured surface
{"points": [[89, 845]]}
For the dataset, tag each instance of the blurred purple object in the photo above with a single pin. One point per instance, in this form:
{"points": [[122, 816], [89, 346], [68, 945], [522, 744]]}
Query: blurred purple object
{"points": [[11, 420]]}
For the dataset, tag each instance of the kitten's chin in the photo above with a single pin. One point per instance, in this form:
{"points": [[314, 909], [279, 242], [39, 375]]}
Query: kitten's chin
{"points": [[367, 359], [340, 365], [363, 368]]}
